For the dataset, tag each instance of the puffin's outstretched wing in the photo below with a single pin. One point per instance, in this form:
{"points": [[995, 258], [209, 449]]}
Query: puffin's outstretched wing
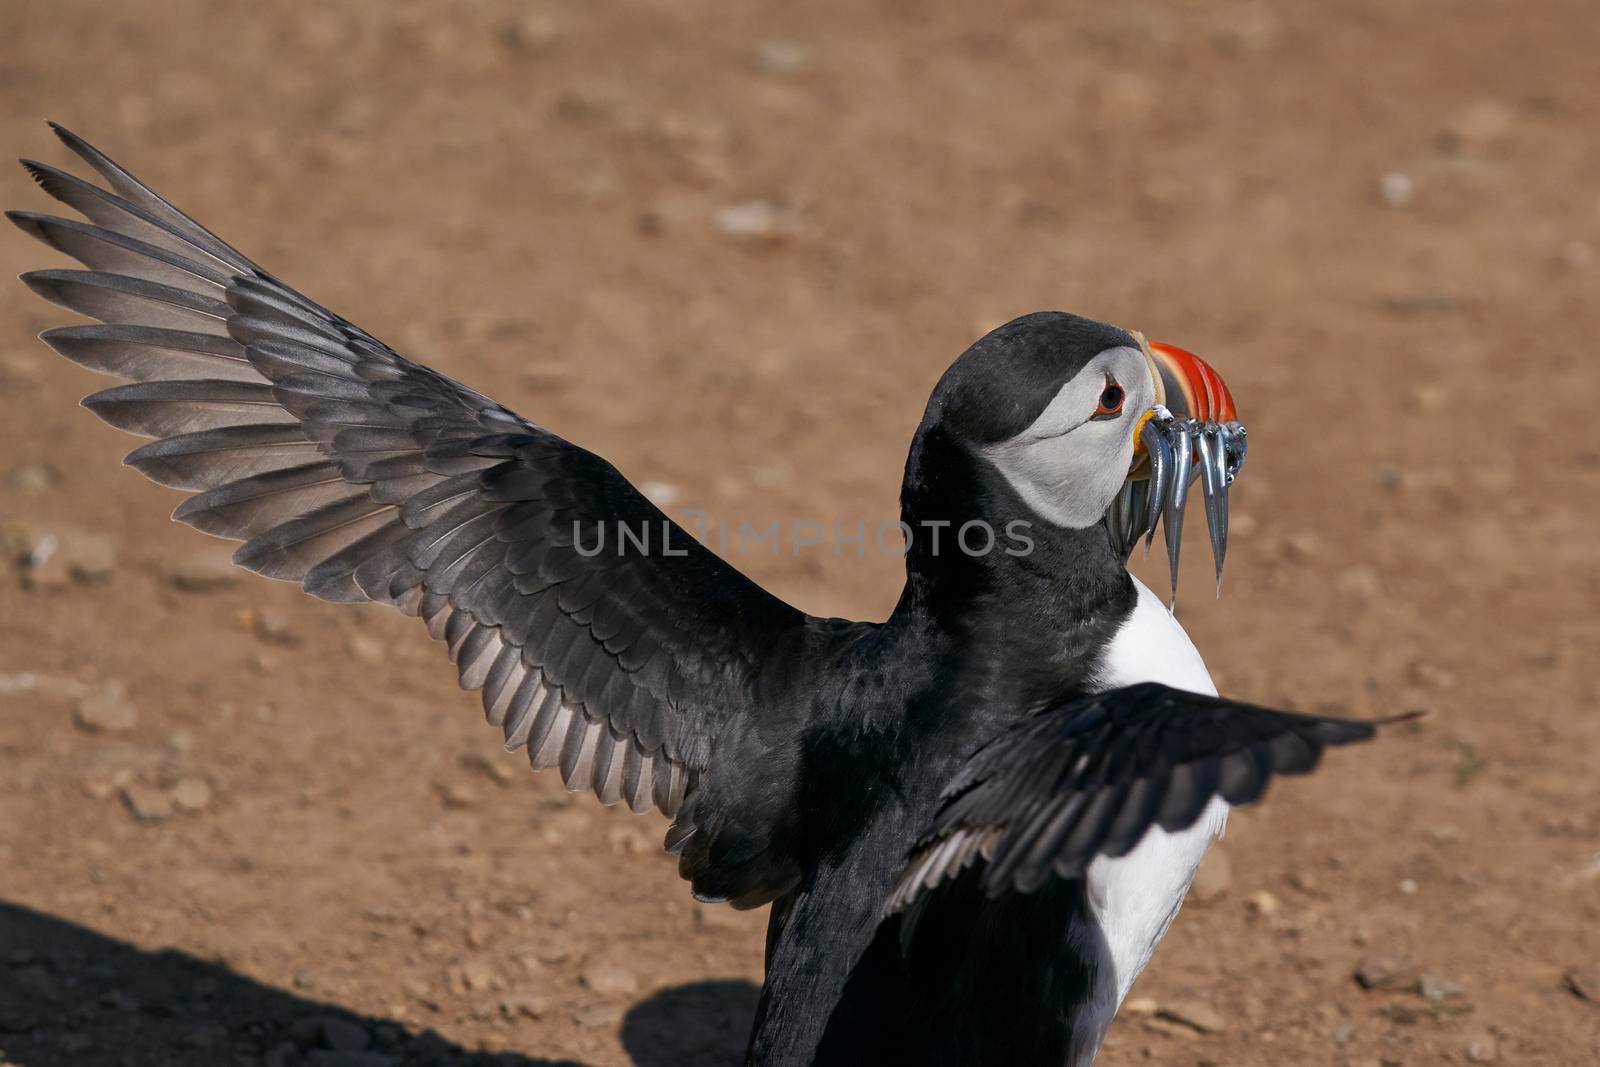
{"points": [[1090, 777], [345, 467]]}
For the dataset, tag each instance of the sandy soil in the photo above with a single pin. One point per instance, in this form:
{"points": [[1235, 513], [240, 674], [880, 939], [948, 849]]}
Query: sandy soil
{"points": [[237, 826]]}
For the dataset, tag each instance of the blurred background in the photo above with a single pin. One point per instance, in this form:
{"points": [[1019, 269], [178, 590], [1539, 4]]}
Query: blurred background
{"points": [[731, 247]]}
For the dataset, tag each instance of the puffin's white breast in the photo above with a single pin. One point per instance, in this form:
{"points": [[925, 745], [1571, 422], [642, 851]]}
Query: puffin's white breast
{"points": [[1152, 647], [1135, 897]]}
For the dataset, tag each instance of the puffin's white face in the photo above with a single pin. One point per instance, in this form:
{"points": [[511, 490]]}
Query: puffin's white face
{"points": [[1071, 462]]}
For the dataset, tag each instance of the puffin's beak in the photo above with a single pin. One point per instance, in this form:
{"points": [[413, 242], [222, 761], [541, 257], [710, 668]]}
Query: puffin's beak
{"points": [[1188, 385], [1192, 430]]}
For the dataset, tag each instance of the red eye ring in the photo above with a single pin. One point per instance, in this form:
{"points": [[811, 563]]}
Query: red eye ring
{"points": [[1111, 401]]}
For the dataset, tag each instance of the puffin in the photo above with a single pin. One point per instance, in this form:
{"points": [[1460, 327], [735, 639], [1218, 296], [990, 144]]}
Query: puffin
{"points": [[973, 821]]}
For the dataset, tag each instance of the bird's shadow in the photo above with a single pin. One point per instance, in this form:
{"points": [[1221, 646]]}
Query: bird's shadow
{"points": [[72, 997], [703, 1023]]}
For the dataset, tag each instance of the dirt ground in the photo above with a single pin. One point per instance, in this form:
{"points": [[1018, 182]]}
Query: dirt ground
{"points": [[238, 826]]}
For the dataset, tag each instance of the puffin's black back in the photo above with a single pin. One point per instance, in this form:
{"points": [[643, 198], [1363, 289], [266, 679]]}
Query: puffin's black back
{"points": [[977, 967]]}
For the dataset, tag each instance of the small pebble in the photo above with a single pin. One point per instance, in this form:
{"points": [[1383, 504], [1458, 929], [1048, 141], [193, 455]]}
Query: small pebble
{"points": [[661, 494], [1439, 987], [271, 626], [498, 770], [1429, 675], [18, 370], [418, 990], [57, 557], [1481, 1048], [1396, 189], [106, 709], [92, 559], [191, 794], [147, 804], [1381, 971], [204, 574], [526, 1005], [1168, 1027], [1302, 547], [596, 1015], [476, 975], [530, 32], [1428, 399], [456, 795], [364, 648], [609, 980], [31, 479], [1195, 1015], [1262, 903], [1482, 123], [1584, 983], [755, 220], [1391, 476]]}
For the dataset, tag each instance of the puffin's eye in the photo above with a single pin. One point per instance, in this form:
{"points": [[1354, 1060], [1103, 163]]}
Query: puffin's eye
{"points": [[1111, 399]]}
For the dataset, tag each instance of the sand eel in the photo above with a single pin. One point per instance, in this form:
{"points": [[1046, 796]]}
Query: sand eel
{"points": [[974, 820]]}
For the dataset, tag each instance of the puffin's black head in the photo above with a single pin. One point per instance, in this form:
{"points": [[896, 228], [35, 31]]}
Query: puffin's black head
{"points": [[1075, 416], [1000, 386]]}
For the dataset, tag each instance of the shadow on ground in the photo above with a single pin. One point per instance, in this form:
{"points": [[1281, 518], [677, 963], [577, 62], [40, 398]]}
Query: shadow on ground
{"points": [[704, 1025], [71, 997]]}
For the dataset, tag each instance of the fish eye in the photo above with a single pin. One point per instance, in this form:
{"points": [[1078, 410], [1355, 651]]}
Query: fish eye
{"points": [[1111, 400]]}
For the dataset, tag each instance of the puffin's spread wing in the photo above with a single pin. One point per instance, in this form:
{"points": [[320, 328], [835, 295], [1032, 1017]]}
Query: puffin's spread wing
{"points": [[364, 476], [1090, 777]]}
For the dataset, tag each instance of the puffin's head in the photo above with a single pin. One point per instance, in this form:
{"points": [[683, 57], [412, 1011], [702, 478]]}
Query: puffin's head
{"points": [[1090, 422]]}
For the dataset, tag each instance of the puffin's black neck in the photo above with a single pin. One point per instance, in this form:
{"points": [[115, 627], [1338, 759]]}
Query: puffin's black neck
{"points": [[1025, 618]]}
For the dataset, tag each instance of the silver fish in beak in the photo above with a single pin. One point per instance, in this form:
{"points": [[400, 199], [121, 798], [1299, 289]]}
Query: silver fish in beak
{"points": [[1192, 433]]}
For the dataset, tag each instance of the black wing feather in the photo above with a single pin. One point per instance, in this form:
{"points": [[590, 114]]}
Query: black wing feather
{"points": [[1091, 777]]}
